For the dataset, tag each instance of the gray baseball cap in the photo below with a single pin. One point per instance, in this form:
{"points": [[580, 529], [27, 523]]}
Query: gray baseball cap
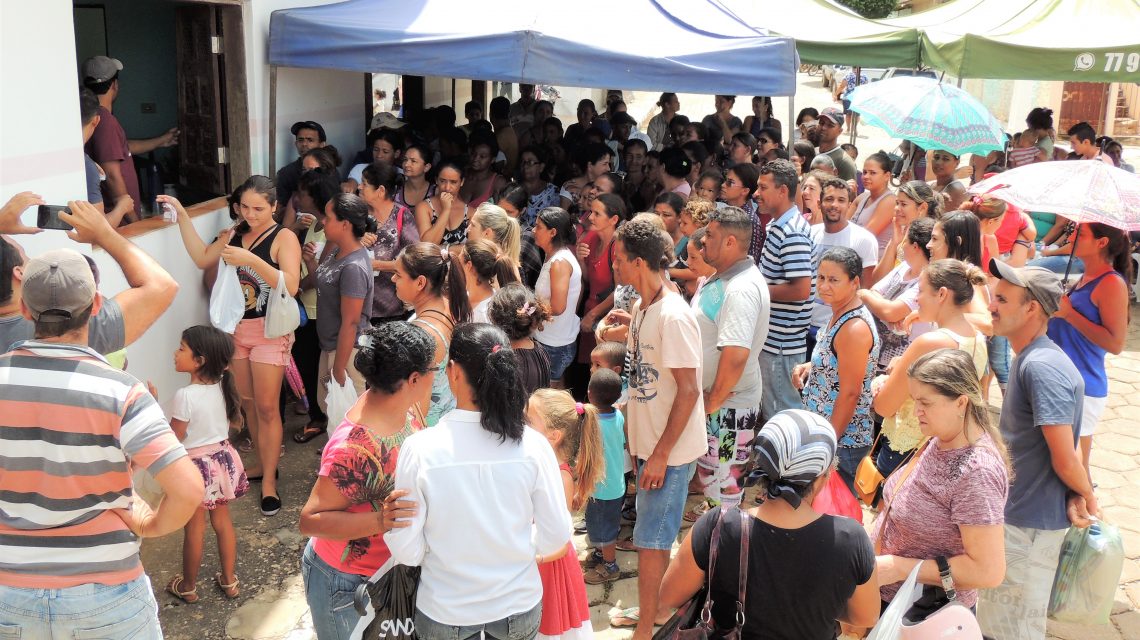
{"points": [[100, 68], [58, 284], [1043, 285]]}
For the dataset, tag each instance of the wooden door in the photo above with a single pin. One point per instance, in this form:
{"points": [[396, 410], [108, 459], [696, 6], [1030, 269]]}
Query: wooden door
{"points": [[1083, 102], [201, 107]]}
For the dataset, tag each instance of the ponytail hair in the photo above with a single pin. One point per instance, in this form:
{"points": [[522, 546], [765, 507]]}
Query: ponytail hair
{"points": [[507, 232], [517, 311], [213, 350], [352, 209], [490, 264], [957, 277], [1117, 250], [986, 207], [581, 444], [437, 266], [484, 354]]}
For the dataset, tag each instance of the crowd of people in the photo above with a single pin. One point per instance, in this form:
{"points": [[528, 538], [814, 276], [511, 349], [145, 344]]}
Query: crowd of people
{"points": [[540, 322]]}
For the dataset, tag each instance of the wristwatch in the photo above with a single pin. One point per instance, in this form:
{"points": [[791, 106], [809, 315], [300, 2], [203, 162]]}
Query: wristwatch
{"points": [[947, 579]]}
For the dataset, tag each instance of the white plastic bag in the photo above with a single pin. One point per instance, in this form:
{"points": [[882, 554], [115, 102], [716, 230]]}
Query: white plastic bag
{"points": [[890, 623], [339, 401], [227, 302], [282, 315]]}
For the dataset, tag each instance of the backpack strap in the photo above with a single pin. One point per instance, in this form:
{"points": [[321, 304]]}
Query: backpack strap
{"points": [[742, 587]]}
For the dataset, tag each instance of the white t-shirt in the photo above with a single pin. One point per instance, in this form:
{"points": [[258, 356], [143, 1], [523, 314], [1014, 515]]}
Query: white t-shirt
{"points": [[486, 508], [479, 313], [853, 237], [203, 408], [665, 336], [732, 311], [563, 328]]}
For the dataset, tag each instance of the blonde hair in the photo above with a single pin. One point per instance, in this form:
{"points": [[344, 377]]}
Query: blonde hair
{"points": [[951, 373], [506, 229], [581, 444], [699, 210]]}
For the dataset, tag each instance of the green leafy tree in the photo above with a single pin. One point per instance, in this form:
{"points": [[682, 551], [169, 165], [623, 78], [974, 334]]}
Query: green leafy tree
{"points": [[871, 8]]}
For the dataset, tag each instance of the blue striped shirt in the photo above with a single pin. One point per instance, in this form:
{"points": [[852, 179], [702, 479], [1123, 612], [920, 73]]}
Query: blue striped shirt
{"points": [[787, 255]]}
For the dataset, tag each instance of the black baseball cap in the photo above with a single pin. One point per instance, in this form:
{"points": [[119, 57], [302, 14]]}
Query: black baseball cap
{"points": [[309, 124]]}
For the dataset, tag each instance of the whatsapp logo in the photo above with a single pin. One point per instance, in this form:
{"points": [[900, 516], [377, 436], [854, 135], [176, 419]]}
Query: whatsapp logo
{"points": [[1084, 62]]}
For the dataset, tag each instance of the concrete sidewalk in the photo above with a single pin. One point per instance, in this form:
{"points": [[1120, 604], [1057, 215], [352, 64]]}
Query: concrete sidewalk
{"points": [[272, 605]]}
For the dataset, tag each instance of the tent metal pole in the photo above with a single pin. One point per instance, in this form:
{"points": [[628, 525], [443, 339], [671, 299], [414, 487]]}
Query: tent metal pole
{"points": [[273, 120], [791, 122]]}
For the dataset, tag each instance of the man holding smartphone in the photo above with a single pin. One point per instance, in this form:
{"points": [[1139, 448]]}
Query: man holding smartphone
{"points": [[109, 145], [120, 320]]}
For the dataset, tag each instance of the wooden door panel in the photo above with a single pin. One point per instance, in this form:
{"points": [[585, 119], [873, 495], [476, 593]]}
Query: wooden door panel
{"points": [[1083, 102], [200, 105]]}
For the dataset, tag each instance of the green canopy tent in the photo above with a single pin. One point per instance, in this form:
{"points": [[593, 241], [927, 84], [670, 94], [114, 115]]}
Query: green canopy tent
{"points": [[829, 33], [1071, 40]]}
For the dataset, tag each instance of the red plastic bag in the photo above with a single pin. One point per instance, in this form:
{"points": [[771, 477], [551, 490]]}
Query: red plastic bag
{"points": [[836, 499]]}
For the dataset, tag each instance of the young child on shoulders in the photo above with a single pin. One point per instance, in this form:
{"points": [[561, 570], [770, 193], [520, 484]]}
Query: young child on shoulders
{"points": [[603, 511], [573, 430], [201, 414]]}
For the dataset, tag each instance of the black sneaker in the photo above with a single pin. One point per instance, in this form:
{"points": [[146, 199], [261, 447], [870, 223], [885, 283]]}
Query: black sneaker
{"points": [[270, 505]]}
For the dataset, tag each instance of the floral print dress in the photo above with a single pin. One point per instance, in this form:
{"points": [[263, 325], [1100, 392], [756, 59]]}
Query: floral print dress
{"points": [[822, 386]]}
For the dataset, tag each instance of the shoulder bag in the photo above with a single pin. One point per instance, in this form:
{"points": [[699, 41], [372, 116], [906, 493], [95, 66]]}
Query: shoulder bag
{"points": [[694, 621]]}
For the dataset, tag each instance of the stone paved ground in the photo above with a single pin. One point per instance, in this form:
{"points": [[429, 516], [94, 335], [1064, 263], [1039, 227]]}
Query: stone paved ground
{"points": [[272, 605]]}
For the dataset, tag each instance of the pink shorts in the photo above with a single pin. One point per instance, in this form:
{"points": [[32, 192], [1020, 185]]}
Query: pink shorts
{"points": [[250, 342]]}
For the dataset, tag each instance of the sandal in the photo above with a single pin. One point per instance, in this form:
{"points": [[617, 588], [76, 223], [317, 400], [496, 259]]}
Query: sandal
{"points": [[246, 445], [189, 597], [625, 545], [626, 618], [696, 512], [230, 590], [309, 432]]}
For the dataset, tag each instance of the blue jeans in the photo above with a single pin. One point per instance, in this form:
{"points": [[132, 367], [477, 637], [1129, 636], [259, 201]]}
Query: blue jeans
{"points": [[659, 510], [329, 593], [887, 459], [123, 612], [559, 357], [777, 392], [517, 626], [998, 349], [849, 459], [603, 520], [1057, 264]]}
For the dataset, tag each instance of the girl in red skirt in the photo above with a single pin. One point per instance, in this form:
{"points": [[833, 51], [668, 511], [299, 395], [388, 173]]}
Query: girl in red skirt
{"points": [[573, 430]]}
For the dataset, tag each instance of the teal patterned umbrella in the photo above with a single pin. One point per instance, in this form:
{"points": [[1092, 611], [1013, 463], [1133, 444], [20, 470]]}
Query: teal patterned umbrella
{"points": [[929, 114]]}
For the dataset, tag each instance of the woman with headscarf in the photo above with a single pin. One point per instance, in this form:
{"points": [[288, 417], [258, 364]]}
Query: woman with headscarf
{"points": [[786, 597]]}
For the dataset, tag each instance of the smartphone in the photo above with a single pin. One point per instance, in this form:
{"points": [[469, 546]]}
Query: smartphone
{"points": [[48, 217]]}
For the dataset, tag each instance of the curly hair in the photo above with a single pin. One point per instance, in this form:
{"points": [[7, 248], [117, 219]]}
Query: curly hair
{"points": [[389, 355], [699, 210]]}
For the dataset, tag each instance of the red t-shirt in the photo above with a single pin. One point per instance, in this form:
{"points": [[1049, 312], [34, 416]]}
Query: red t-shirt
{"points": [[1012, 224], [109, 144], [599, 270]]}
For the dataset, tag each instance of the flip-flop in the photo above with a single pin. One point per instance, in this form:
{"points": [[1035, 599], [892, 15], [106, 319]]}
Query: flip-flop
{"points": [[189, 597], [231, 591], [308, 432], [626, 618], [696, 512]]}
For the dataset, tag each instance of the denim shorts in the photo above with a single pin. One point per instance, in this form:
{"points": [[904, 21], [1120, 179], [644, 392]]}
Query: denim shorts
{"points": [[559, 357], [603, 520], [659, 511], [330, 594], [998, 350], [517, 626], [125, 611]]}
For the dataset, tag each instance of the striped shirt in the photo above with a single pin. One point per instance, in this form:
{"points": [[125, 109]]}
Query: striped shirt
{"points": [[788, 255], [72, 427]]}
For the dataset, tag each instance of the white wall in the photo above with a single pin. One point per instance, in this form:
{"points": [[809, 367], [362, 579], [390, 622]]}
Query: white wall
{"points": [[335, 99], [41, 140]]}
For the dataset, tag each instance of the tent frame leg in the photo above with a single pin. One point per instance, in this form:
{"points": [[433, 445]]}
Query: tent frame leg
{"points": [[273, 120]]}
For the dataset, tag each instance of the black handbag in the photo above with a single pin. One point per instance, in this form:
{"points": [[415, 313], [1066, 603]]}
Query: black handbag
{"points": [[392, 597], [694, 621]]}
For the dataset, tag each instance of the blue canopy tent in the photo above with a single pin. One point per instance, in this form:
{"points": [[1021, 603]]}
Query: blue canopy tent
{"points": [[629, 44]]}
